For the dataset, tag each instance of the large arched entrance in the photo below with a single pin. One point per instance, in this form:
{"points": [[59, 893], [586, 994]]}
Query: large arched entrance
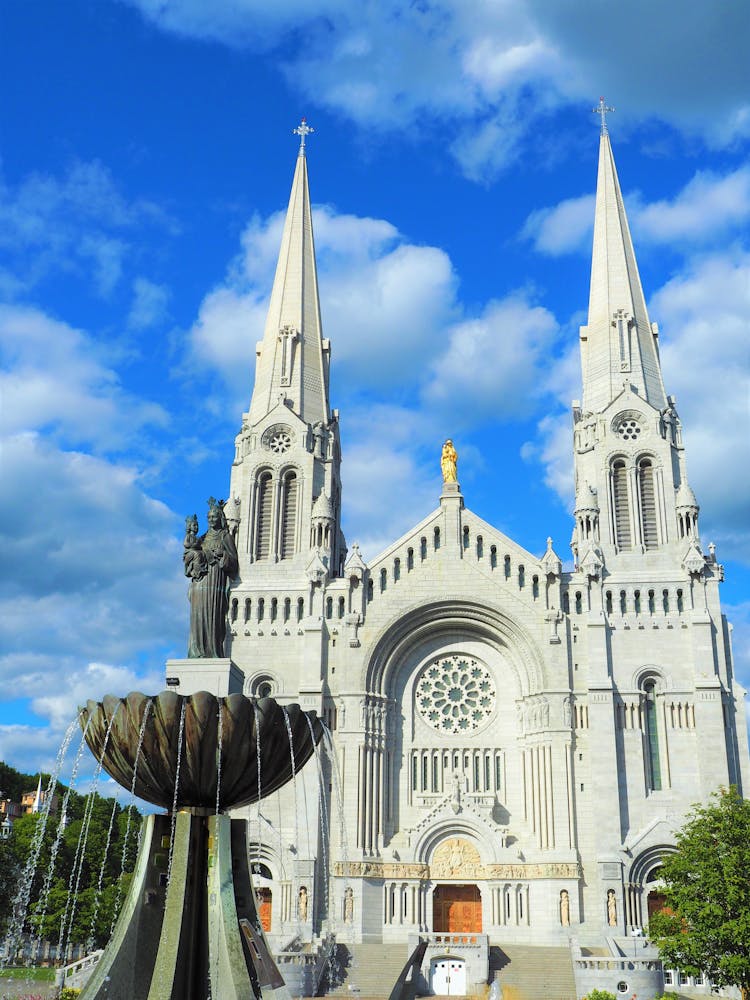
{"points": [[457, 909]]}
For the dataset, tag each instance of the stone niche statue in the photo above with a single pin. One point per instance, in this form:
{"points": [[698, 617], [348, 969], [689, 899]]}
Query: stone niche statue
{"points": [[210, 563], [449, 462]]}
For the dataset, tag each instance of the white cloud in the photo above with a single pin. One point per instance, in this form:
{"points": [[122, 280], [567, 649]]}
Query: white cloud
{"points": [[495, 360], [701, 213], [706, 362], [55, 380], [566, 227], [705, 209], [78, 223], [488, 68], [149, 304]]}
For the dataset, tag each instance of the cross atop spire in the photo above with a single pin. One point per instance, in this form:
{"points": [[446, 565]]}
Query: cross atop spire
{"points": [[601, 109], [302, 130]]}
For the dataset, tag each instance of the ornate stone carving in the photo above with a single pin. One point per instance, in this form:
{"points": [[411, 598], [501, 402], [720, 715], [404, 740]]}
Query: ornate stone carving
{"points": [[456, 857], [471, 869]]}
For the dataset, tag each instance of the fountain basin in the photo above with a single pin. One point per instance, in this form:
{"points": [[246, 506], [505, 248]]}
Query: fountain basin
{"points": [[251, 729]]}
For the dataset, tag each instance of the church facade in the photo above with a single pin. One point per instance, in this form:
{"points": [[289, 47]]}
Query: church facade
{"points": [[516, 744]]}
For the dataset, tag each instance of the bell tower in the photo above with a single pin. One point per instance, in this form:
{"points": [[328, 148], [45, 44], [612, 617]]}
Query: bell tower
{"points": [[632, 494], [287, 453]]}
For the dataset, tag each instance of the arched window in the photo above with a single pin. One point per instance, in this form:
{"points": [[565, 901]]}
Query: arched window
{"points": [[287, 608], [288, 515], [396, 569], [436, 539], [329, 607], [300, 608], [409, 560], [274, 609], [647, 501], [651, 734], [263, 518], [342, 607], [623, 538], [480, 546], [467, 540]]}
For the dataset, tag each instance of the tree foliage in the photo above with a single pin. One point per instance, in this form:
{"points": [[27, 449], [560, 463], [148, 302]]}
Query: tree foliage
{"points": [[86, 852], [705, 925]]}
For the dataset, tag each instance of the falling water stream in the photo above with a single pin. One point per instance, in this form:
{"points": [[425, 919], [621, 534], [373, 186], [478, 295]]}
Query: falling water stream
{"points": [[126, 838], [176, 791], [72, 900], [20, 910], [256, 716], [294, 792], [100, 883]]}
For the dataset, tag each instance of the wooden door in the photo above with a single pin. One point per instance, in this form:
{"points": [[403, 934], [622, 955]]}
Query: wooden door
{"points": [[264, 908], [457, 909]]}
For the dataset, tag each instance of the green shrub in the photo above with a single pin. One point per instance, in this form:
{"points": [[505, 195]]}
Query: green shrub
{"points": [[600, 995]]}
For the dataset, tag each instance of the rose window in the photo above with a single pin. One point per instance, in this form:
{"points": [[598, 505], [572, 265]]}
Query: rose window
{"points": [[628, 429], [455, 694], [280, 442]]}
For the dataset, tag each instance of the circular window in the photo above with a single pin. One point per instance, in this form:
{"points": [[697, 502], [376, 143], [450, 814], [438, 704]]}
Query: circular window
{"points": [[278, 439], [455, 694], [628, 429], [622, 987]]}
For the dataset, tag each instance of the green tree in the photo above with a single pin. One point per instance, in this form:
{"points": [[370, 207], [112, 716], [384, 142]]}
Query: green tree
{"points": [[705, 925]]}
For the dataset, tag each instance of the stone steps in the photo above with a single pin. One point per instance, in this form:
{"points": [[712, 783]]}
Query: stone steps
{"points": [[368, 970], [533, 973]]}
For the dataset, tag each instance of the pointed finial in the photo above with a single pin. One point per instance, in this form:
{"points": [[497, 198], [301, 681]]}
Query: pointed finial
{"points": [[302, 130], [602, 111]]}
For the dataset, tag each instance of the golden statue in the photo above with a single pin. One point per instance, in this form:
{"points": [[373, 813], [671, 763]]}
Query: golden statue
{"points": [[449, 463]]}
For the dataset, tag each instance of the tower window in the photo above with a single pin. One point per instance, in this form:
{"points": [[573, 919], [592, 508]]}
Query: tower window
{"points": [[342, 606], [647, 499], [288, 515], [300, 608], [287, 608], [653, 764], [436, 538], [623, 538], [263, 520]]}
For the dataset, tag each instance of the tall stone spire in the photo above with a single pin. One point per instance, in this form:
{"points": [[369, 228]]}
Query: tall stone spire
{"points": [[619, 344], [285, 508], [293, 357]]}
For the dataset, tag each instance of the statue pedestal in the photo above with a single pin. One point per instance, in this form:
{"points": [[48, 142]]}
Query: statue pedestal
{"points": [[219, 676]]}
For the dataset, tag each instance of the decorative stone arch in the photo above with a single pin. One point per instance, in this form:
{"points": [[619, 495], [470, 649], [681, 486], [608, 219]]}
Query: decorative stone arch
{"points": [[639, 878], [255, 683], [451, 617], [651, 671], [268, 879], [480, 836]]}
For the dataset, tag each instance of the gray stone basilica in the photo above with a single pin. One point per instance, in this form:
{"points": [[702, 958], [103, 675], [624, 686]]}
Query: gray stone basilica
{"points": [[516, 744]]}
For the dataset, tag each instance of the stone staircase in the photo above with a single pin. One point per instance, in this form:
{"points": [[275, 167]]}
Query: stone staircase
{"points": [[533, 973], [367, 970], [525, 972]]}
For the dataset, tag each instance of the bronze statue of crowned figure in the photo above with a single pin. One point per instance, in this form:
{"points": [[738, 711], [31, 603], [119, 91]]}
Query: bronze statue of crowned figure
{"points": [[210, 563]]}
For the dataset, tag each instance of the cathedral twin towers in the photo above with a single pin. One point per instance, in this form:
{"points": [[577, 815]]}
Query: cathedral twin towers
{"points": [[516, 743]]}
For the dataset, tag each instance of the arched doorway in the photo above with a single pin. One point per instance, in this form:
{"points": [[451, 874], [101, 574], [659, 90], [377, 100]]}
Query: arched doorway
{"points": [[457, 909]]}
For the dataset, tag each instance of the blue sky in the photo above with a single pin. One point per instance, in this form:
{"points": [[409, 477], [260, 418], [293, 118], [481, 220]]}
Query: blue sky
{"points": [[147, 154]]}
